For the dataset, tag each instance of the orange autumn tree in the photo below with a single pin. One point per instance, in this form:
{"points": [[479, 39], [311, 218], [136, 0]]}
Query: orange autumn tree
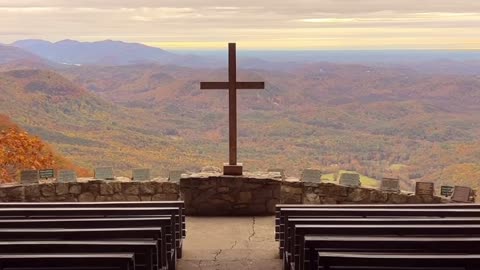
{"points": [[19, 150]]}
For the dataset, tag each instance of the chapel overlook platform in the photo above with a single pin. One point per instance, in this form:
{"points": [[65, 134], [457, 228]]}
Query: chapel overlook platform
{"points": [[232, 222], [210, 194]]}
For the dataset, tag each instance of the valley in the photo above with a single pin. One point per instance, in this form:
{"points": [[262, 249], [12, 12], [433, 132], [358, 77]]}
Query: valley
{"points": [[331, 116]]}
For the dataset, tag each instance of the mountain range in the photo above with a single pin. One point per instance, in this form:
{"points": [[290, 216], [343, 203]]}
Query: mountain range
{"points": [[125, 113], [106, 52]]}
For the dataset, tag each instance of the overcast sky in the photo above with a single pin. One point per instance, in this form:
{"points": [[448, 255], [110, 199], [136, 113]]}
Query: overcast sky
{"points": [[254, 24]]}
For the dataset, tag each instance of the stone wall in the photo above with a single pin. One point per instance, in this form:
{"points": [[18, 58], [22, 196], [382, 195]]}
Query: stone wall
{"points": [[257, 194], [211, 193], [91, 191], [206, 194], [329, 193]]}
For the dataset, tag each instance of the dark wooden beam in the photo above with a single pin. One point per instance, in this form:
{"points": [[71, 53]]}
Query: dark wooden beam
{"points": [[250, 85], [225, 85], [214, 85], [232, 101]]}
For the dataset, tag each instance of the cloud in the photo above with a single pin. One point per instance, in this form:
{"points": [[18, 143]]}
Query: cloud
{"points": [[383, 19], [141, 19], [328, 20], [224, 8], [28, 9], [256, 23]]}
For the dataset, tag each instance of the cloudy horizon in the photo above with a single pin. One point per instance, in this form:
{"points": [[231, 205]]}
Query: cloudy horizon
{"points": [[300, 24]]}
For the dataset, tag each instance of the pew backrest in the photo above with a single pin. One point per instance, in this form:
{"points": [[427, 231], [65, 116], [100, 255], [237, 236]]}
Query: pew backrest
{"points": [[145, 252], [315, 243], [291, 222], [179, 204], [114, 234], [278, 207], [402, 261], [286, 213], [296, 245], [121, 261]]}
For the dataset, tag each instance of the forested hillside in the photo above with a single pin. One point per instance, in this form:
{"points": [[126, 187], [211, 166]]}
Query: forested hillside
{"points": [[324, 115], [90, 130], [330, 116], [20, 150]]}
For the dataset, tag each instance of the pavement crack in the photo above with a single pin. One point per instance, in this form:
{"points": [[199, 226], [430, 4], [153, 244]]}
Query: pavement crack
{"points": [[200, 265], [234, 244], [217, 254], [253, 229]]}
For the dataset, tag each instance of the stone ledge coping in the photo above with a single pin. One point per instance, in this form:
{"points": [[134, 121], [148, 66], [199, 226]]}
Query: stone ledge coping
{"points": [[211, 193], [246, 175]]}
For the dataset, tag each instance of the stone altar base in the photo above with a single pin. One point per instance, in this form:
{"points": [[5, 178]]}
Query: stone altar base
{"points": [[232, 169], [223, 195]]}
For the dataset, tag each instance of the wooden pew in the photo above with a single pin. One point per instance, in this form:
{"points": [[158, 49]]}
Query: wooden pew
{"points": [[370, 212], [381, 244], [363, 261], [181, 220], [145, 252], [164, 222], [298, 242], [118, 261], [9, 213], [279, 222], [111, 234], [116, 204], [114, 222], [291, 222]]}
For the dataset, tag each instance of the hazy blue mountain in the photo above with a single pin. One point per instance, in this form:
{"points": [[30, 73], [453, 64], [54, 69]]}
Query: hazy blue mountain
{"points": [[113, 53], [10, 54], [105, 52], [12, 58]]}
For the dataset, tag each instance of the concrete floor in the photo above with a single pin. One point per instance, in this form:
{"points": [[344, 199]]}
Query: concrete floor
{"points": [[221, 243]]}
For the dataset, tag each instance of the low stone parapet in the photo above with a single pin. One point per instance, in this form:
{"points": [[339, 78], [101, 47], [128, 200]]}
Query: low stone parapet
{"points": [[256, 194], [212, 194], [91, 191], [330, 193]]}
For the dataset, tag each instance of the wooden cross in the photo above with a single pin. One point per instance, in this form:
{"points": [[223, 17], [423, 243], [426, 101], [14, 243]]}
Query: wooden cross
{"points": [[232, 168]]}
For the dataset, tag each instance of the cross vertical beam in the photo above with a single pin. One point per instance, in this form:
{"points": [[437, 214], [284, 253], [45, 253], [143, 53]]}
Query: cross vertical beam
{"points": [[232, 103], [232, 167]]}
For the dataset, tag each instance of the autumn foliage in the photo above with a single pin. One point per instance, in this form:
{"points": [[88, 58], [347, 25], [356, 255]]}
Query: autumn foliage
{"points": [[21, 151]]}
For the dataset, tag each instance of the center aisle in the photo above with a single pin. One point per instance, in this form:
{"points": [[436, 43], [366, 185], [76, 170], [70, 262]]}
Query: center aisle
{"points": [[221, 243]]}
